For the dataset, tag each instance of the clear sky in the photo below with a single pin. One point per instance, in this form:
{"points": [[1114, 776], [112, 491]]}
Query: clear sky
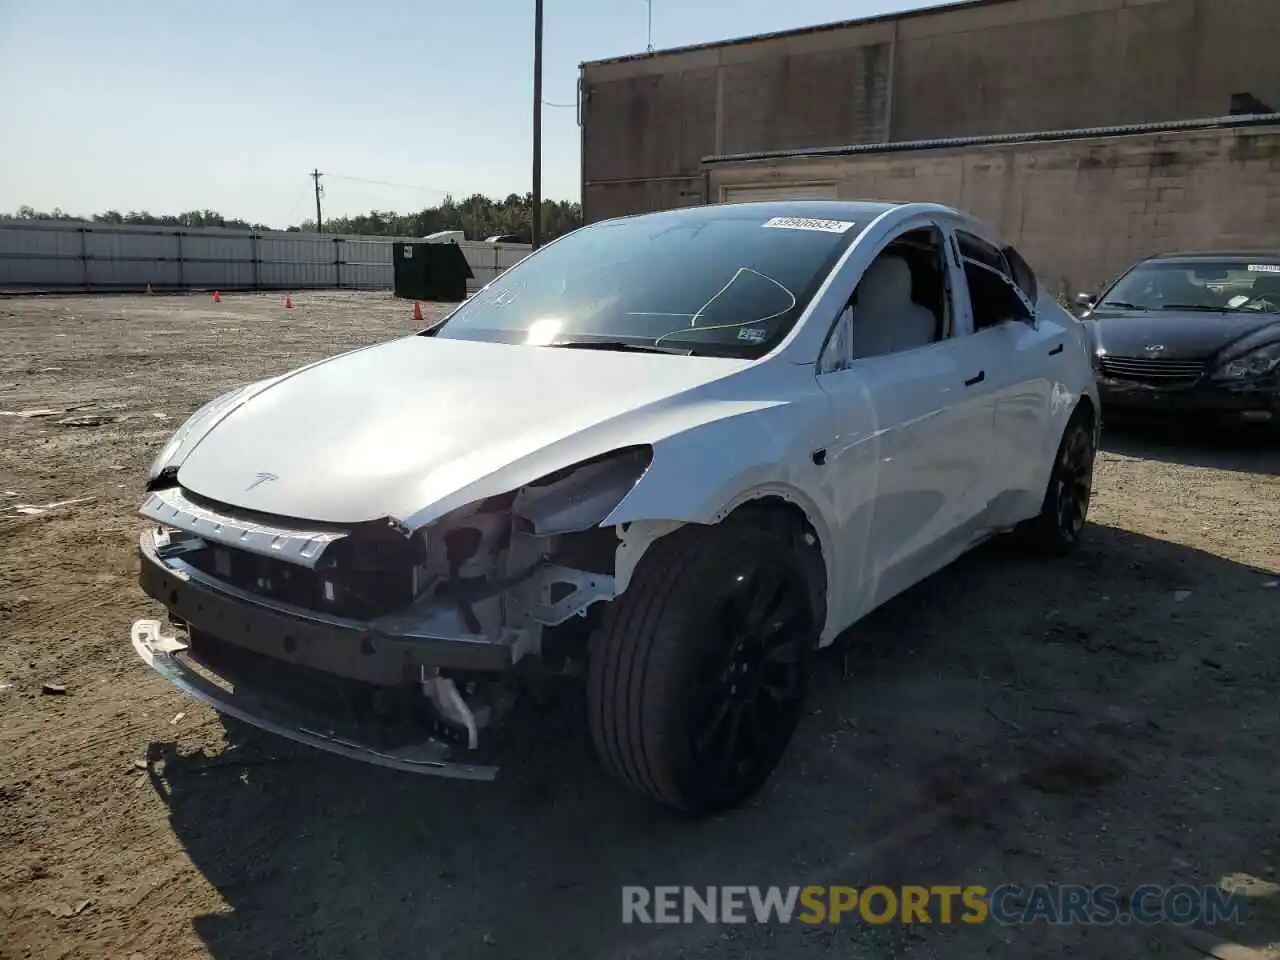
{"points": [[173, 105]]}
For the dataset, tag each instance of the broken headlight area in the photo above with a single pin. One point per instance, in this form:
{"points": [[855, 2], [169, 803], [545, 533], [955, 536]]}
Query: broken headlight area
{"points": [[535, 557]]}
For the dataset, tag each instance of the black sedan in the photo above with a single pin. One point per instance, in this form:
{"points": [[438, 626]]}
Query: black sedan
{"points": [[1193, 336]]}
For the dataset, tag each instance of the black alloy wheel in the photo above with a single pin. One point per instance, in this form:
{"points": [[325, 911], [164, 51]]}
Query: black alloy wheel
{"points": [[748, 688], [697, 673], [1057, 530], [1074, 481]]}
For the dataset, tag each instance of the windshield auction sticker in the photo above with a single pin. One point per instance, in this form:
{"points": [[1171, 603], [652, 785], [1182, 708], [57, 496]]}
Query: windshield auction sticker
{"points": [[804, 223], [1255, 267]]}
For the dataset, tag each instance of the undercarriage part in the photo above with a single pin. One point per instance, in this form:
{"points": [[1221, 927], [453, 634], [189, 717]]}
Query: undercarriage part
{"points": [[444, 694], [564, 647]]}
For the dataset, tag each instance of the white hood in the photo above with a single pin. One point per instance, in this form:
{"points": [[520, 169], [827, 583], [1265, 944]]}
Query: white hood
{"points": [[391, 430]]}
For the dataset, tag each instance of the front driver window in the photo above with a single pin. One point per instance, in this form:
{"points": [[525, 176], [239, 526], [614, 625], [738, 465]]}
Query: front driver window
{"points": [[838, 354], [902, 302]]}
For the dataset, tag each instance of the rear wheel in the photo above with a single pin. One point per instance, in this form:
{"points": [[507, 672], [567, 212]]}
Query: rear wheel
{"points": [[698, 672], [1056, 531]]}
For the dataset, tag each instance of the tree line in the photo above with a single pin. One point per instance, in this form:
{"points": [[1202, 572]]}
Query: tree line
{"points": [[477, 216], [193, 218]]}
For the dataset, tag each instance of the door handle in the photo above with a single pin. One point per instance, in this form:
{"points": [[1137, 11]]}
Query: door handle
{"points": [[982, 375], [1056, 350]]}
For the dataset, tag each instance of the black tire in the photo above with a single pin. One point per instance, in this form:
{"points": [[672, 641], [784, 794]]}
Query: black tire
{"points": [[1057, 529], [675, 707]]}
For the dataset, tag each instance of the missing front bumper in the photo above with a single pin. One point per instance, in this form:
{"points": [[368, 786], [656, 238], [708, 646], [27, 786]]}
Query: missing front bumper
{"points": [[172, 658], [297, 673], [389, 651]]}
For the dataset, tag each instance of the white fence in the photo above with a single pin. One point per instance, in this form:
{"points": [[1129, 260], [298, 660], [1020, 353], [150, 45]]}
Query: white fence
{"points": [[64, 255]]}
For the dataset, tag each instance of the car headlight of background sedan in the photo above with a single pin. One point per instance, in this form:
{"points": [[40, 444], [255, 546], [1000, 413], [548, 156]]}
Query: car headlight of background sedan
{"points": [[1259, 362]]}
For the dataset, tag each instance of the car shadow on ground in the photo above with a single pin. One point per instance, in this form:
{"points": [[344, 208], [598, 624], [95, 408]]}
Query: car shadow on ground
{"points": [[1251, 450], [1007, 721]]}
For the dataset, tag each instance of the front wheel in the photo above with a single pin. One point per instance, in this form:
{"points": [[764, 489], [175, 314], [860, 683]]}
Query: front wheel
{"points": [[1057, 529], [698, 672]]}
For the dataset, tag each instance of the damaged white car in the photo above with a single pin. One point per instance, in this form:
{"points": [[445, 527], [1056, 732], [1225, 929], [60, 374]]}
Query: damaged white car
{"points": [[670, 454]]}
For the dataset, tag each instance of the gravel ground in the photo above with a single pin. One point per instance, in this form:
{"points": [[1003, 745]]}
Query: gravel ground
{"points": [[1110, 718]]}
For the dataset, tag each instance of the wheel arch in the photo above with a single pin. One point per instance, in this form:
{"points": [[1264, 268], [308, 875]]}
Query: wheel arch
{"points": [[795, 520], [791, 505], [1087, 408]]}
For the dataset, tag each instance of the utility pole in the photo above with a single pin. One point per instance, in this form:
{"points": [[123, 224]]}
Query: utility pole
{"points": [[536, 219], [316, 175]]}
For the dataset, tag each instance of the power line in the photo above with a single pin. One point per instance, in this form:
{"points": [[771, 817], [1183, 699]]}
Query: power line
{"points": [[385, 183], [548, 103]]}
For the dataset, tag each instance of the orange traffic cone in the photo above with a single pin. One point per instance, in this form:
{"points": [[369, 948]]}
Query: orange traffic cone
{"points": [[417, 312], [288, 302], [217, 297]]}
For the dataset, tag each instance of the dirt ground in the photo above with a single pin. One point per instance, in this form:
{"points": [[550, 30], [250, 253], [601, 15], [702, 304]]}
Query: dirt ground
{"points": [[1110, 718]]}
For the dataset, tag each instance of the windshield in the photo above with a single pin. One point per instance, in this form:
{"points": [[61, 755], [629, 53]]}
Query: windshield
{"points": [[1206, 285], [724, 280]]}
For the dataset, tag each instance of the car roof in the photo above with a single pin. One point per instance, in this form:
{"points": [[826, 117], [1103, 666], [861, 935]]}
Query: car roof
{"points": [[1229, 256], [859, 211]]}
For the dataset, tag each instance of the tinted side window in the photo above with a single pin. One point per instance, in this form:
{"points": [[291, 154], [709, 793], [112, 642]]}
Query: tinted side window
{"points": [[975, 248], [991, 296], [1023, 275]]}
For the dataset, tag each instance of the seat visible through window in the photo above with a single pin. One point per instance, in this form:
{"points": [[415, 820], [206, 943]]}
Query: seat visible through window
{"points": [[885, 318]]}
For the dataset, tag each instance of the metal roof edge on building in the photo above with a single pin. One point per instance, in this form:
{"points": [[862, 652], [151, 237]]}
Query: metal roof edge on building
{"points": [[1082, 133], [800, 31]]}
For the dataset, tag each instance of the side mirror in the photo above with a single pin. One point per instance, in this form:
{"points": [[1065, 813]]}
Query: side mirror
{"points": [[1086, 300]]}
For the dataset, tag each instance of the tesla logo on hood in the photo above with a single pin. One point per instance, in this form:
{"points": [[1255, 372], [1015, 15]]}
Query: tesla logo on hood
{"points": [[260, 478], [1154, 349]]}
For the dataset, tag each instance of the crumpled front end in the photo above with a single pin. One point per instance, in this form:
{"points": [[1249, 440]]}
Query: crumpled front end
{"points": [[394, 646]]}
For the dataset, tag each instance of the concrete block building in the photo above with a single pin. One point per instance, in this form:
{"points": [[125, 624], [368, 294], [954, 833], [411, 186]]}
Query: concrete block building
{"points": [[1062, 122]]}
